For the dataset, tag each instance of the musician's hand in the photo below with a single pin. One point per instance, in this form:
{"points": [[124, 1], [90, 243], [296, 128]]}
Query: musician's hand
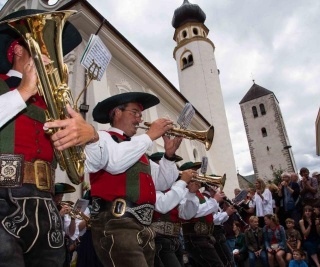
{"points": [[65, 209], [187, 175], [171, 145], [28, 84], [159, 127], [74, 131]]}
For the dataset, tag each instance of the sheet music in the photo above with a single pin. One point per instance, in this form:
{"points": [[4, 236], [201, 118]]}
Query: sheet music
{"points": [[81, 204], [96, 52], [186, 116]]}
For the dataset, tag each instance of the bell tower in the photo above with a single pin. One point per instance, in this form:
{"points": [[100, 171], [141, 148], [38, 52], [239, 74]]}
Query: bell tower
{"points": [[267, 136], [199, 82]]}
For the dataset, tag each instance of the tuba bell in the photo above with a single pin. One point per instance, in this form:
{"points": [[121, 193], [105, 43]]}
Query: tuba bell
{"points": [[205, 137], [43, 35]]}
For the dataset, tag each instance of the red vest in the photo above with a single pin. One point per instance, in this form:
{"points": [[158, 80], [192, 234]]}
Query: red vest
{"points": [[206, 219], [28, 136], [135, 184], [171, 216]]}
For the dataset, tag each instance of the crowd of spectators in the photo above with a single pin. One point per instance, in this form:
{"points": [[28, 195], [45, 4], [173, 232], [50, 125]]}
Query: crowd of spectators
{"points": [[281, 222]]}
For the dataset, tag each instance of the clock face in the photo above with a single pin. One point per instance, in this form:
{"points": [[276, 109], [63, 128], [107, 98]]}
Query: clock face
{"points": [[50, 2]]}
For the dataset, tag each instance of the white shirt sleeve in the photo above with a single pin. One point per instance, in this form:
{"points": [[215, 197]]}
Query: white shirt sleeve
{"points": [[210, 206], [267, 197], [11, 103], [113, 157], [188, 206], [220, 217], [169, 200], [164, 174]]}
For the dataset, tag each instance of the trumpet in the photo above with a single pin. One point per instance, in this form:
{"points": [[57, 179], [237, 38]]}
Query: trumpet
{"points": [[205, 137], [76, 214], [210, 180]]}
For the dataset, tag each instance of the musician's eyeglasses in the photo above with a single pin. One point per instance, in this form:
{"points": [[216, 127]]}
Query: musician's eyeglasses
{"points": [[134, 112]]}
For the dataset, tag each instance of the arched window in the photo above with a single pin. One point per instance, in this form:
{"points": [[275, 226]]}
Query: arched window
{"points": [[255, 111], [184, 34], [264, 132], [186, 60], [195, 31], [262, 109]]}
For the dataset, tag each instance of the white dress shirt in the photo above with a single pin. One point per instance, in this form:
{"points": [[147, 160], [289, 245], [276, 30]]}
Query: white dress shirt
{"points": [[264, 206], [220, 217], [210, 206], [11, 103], [178, 194], [113, 157]]}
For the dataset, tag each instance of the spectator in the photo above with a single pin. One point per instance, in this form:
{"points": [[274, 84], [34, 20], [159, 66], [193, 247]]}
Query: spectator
{"points": [[275, 240], [308, 225], [261, 201], [294, 177], [275, 197], [255, 243], [308, 188], [293, 238], [289, 194], [240, 252], [298, 259]]}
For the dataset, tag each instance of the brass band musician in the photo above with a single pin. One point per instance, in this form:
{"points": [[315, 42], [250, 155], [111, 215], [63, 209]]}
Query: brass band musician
{"points": [[31, 228]]}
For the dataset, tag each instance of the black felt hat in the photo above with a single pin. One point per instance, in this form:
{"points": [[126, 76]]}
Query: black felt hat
{"points": [[71, 37], [158, 155], [63, 188], [101, 112], [190, 165]]}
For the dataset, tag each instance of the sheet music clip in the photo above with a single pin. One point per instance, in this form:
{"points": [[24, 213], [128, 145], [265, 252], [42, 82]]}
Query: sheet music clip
{"points": [[93, 71]]}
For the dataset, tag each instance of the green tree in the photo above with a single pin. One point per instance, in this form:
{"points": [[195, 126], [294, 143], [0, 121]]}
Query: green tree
{"points": [[277, 175]]}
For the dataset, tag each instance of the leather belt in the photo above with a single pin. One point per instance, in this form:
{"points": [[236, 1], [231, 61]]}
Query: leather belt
{"points": [[39, 173], [122, 208], [166, 228], [197, 228], [14, 172]]}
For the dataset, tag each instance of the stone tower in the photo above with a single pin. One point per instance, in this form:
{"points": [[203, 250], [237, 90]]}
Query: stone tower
{"points": [[268, 140], [199, 82]]}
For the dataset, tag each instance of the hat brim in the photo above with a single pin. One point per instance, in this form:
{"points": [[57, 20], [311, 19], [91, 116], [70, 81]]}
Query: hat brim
{"points": [[190, 165], [101, 112], [71, 37], [63, 188]]}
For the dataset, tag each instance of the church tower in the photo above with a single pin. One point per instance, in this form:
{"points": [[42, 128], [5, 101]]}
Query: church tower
{"points": [[268, 140], [199, 82]]}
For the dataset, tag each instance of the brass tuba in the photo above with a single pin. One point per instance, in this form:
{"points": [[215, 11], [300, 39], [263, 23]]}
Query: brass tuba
{"points": [[43, 34], [205, 137]]}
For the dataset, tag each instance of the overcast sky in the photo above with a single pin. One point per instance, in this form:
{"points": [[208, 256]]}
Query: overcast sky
{"points": [[274, 42]]}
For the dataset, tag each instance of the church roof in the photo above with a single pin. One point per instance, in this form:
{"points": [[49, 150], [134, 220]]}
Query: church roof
{"points": [[187, 12], [254, 92]]}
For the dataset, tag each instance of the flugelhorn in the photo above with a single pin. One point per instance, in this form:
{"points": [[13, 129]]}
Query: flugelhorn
{"points": [[204, 137]]}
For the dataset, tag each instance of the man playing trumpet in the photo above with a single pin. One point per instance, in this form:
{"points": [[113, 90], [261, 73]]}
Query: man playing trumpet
{"points": [[124, 184]]}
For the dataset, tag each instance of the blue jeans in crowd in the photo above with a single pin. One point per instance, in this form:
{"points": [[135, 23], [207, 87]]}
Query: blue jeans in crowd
{"points": [[263, 257]]}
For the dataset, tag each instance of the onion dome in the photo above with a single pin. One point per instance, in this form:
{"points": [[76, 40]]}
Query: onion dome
{"points": [[187, 13]]}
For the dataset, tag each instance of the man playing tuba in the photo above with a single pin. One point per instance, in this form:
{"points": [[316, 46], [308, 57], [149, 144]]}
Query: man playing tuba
{"points": [[31, 227]]}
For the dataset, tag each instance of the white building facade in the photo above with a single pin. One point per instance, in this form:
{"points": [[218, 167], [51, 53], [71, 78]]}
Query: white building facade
{"points": [[129, 71]]}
